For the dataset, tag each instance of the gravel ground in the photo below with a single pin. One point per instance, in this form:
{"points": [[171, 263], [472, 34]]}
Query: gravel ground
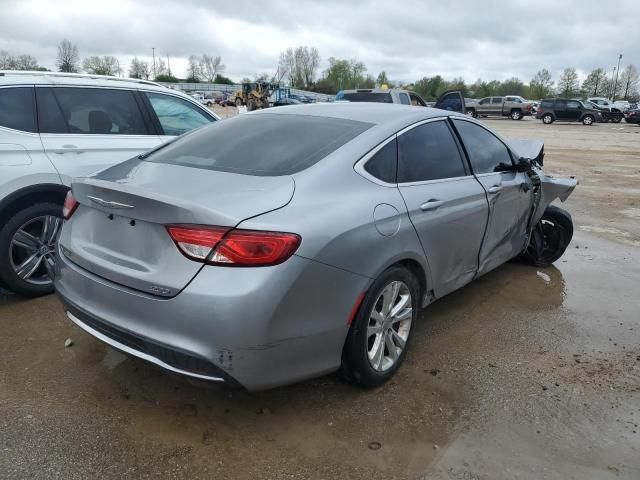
{"points": [[525, 373]]}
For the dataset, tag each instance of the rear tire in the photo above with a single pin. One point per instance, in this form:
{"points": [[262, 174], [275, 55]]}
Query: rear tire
{"points": [[550, 237], [516, 114], [380, 334], [239, 102], [472, 113], [547, 119], [21, 239]]}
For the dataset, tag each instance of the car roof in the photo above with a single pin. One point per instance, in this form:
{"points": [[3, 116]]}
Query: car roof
{"points": [[375, 90], [12, 77], [370, 112]]}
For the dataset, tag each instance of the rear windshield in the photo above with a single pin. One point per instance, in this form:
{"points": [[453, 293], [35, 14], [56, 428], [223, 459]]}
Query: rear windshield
{"points": [[264, 144], [380, 97]]}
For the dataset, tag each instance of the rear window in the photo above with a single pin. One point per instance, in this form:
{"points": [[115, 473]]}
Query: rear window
{"points": [[16, 109], [379, 97], [263, 145]]}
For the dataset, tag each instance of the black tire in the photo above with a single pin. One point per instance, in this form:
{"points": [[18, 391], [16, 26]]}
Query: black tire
{"points": [[516, 114], [7, 273], [472, 113], [547, 119], [239, 102], [618, 119], [588, 120], [356, 366], [251, 105], [550, 237]]}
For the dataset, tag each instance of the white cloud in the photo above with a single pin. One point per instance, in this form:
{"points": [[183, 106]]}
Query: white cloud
{"points": [[408, 39]]}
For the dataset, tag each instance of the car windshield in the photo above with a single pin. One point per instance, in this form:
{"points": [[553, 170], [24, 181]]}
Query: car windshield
{"points": [[263, 145], [380, 97]]}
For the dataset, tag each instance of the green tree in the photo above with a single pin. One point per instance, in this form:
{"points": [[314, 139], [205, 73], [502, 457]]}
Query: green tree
{"points": [[382, 79], [541, 85], [345, 74], [568, 85], [223, 80], [596, 83], [512, 86]]}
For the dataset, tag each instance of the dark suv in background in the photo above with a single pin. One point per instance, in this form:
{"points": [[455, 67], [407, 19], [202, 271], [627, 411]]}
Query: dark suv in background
{"points": [[565, 110]]}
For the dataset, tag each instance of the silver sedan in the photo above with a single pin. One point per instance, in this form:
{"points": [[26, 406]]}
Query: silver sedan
{"points": [[294, 242]]}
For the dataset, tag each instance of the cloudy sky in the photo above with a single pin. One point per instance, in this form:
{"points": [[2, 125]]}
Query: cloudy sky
{"points": [[408, 39]]}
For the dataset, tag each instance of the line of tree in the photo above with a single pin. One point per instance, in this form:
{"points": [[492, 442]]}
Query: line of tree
{"points": [[299, 68]]}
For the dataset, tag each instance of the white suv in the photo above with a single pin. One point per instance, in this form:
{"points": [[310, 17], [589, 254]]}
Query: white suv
{"points": [[54, 127]]}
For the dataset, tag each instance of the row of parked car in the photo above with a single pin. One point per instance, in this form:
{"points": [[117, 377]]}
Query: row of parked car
{"points": [[594, 109], [226, 99]]}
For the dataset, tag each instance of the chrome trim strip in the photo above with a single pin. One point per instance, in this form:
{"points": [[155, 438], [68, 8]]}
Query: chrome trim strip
{"points": [[136, 353]]}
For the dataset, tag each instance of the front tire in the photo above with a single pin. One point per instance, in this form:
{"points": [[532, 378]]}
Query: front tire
{"points": [[588, 120], [516, 115], [379, 337], [27, 246], [239, 102], [472, 113], [550, 237]]}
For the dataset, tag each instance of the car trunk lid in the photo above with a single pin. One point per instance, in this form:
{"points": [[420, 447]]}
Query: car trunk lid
{"points": [[119, 230]]}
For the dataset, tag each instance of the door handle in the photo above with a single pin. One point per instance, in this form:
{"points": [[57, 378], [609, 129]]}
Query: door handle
{"points": [[431, 205], [495, 189], [67, 149]]}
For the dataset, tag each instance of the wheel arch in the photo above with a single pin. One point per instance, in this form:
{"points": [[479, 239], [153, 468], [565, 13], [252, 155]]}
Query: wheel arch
{"points": [[417, 267], [27, 196]]}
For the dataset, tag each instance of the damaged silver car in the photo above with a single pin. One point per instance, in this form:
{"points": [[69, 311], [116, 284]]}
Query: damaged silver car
{"points": [[237, 256]]}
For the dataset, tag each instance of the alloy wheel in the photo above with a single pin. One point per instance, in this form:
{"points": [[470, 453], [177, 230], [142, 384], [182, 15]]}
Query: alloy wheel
{"points": [[389, 325], [32, 248]]}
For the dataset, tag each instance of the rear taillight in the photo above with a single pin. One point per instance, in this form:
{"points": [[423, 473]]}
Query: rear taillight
{"points": [[233, 248], [69, 206]]}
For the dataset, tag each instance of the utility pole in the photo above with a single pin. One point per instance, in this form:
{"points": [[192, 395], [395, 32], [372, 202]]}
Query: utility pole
{"points": [[615, 84], [153, 49], [613, 73]]}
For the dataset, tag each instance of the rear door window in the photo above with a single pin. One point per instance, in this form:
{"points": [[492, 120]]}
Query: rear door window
{"points": [[176, 115], [486, 152], [97, 111], [428, 152], [264, 144], [16, 109]]}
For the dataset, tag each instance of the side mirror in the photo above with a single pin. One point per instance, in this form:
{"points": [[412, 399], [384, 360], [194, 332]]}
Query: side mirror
{"points": [[522, 165]]}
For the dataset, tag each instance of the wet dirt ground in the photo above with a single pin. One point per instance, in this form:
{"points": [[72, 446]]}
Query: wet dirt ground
{"points": [[526, 373]]}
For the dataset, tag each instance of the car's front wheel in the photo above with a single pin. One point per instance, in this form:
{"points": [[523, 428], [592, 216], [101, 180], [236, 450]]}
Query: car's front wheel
{"points": [[379, 337], [588, 120], [547, 119], [516, 115], [27, 243], [550, 237]]}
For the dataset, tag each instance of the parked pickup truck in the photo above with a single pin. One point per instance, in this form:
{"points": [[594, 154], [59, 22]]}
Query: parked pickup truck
{"points": [[510, 106]]}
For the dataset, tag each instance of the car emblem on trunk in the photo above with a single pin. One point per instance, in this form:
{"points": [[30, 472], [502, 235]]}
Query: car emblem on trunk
{"points": [[108, 204]]}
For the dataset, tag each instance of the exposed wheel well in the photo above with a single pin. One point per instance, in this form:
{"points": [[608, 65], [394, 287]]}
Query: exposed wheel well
{"points": [[29, 196]]}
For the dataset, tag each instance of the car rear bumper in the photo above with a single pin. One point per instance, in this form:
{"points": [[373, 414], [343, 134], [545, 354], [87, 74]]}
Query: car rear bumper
{"points": [[251, 327]]}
